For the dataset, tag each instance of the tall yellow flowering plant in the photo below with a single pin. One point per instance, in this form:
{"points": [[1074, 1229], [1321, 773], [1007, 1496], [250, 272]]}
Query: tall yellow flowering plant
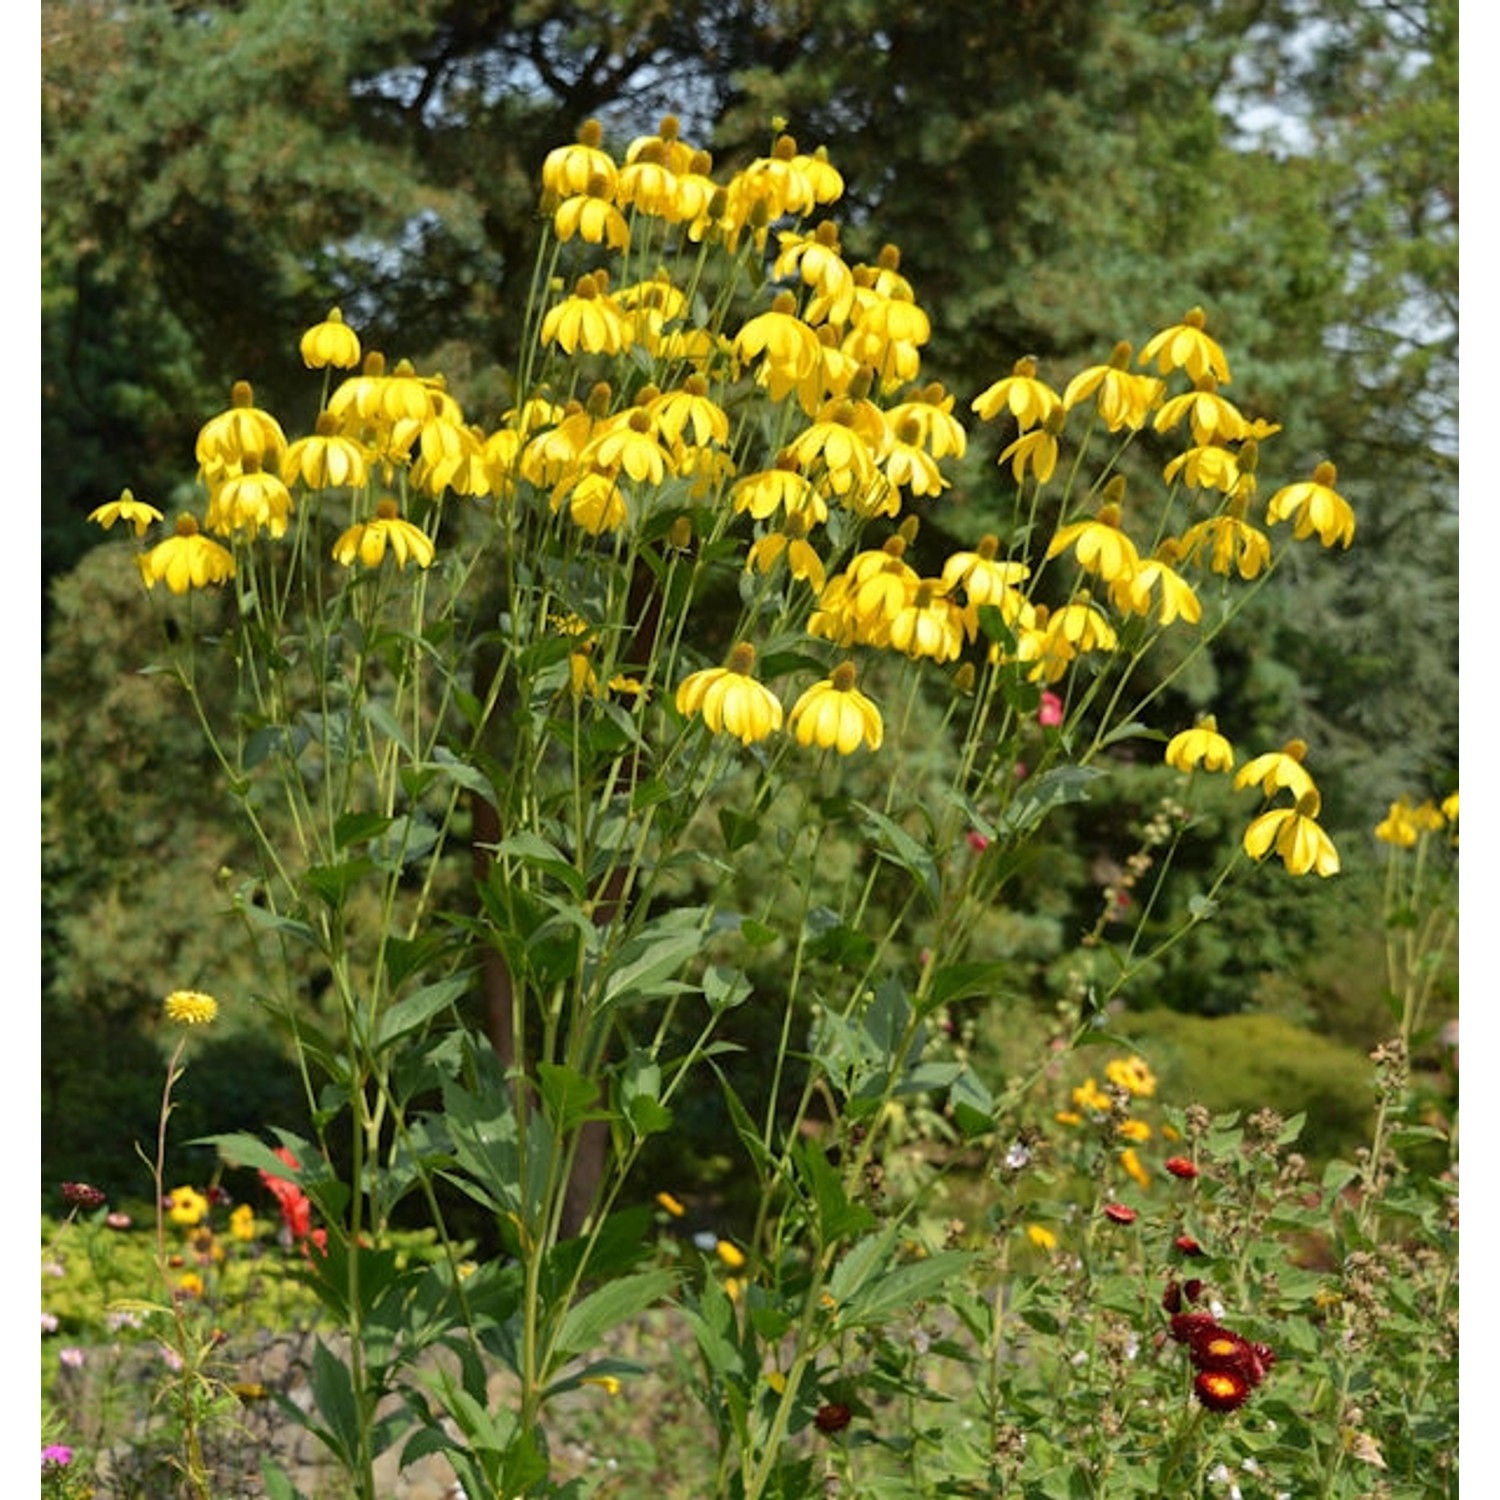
{"points": [[548, 723]]}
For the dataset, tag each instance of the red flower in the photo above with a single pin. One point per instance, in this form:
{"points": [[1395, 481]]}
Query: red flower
{"points": [[1180, 1166], [978, 842], [1188, 1326], [1185, 1244], [296, 1208], [834, 1417], [1119, 1214], [82, 1195], [1221, 1390], [1050, 714]]}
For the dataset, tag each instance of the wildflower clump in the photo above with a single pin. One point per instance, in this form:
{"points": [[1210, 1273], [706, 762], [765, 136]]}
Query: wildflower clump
{"points": [[660, 646]]}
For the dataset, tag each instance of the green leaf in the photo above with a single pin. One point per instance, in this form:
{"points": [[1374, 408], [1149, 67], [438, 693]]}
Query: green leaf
{"points": [[415, 1010], [355, 828], [278, 1485], [645, 963], [535, 851], [895, 844], [1039, 795], [838, 1218], [334, 1400], [973, 1105], [900, 1288], [332, 883], [567, 1095], [587, 1322], [962, 981], [725, 988]]}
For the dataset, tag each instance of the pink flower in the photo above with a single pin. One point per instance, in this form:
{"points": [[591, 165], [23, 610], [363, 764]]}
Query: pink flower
{"points": [[977, 841], [71, 1357], [57, 1453], [1050, 714]]}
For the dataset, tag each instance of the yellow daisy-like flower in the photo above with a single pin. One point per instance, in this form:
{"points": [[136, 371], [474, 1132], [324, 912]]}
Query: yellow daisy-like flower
{"points": [[1131, 594], [1398, 827], [1207, 467], [1121, 398], [242, 1222], [186, 560], [366, 541], [784, 349], [1042, 1237], [986, 577], [249, 501], [1202, 745], [1035, 450], [1134, 1167], [730, 1254], [671, 1205], [1211, 418], [1137, 1131], [1185, 346], [1029, 400], [593, 218], [1133, 1074], [595, 502], [1295, 835], [1279, 770], [127, 508], [1088, 1095], [190, 1007], [243, 431], [1099, 545], [835, 715], [588, 320], [802, 560], [730, 700], [325, 460], [1315, 506], [186, 1206], [1230, 541], [928, 624], [783, 487], [568, 170], [331, 342]]}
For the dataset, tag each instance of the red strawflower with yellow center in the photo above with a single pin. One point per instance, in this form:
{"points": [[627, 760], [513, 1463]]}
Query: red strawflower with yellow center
{"points": [[1221, 1390]]}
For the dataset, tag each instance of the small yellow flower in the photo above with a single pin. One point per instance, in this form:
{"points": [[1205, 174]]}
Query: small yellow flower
{"points": [[326, 460], [242, 431], [1203, 746], [242, 1223], [1042, 1237], [1131, 1074], [1122, 399], [186, 1206], [1099, 545], [186, 560], [1088, 1095], [730, 700], [331, 342], [190, 1284], [1185, 346], [589, 320], [1068, 1117], [366, 541], [1029, 400], [1279, 770], [835, 715], [126, 508], [671, 1205], [1398, 827], [190, 1007], [1131, 1161], [1315, 506], [610, 1384], [730, 1254], [1295, 835], [1137, 1131]]}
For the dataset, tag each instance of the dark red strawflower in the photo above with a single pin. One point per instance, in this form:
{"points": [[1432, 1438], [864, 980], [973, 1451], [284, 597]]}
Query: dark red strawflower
{"points": [[81, 1195], [1221, 1390], [1119, 1213], [1185, 1244], [833, 1417], [1188, 1326], [1180, 1166], [1192, 1289], [1171, 1299]]}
